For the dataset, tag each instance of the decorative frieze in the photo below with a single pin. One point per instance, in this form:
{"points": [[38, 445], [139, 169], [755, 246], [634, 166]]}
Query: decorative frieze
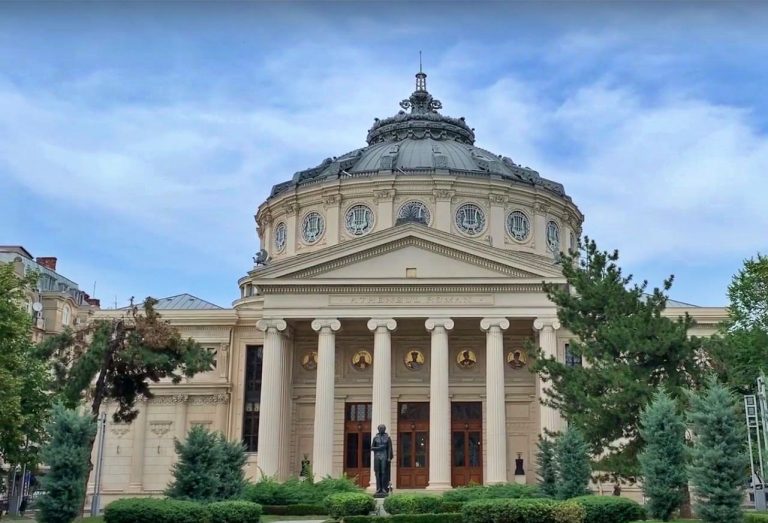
{"points": [[119, 429], [160, 428], [413, 299], [401, 289]]}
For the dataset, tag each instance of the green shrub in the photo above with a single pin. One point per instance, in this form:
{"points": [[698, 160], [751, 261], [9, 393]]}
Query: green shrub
{"points": [[411, 504], [294, 491], [450, 507], [755, 517], [407, 518], [349, 504], [301, 509], [506, 490], [570, 512], [511, 511], [153, 510], [234, 512], [610, 509]]}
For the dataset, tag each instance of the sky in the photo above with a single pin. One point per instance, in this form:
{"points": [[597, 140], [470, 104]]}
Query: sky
{"points": [[138, 139]]}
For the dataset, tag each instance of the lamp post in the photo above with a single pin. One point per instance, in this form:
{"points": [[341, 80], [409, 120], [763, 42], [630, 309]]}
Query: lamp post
{"points": [[99, 462]]}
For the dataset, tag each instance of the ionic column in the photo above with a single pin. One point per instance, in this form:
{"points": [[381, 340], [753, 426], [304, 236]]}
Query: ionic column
{"points": [[439, 406], [136, 481], [382, 378], [271, 403], [322, 448], [496, 422], [549, 418]]}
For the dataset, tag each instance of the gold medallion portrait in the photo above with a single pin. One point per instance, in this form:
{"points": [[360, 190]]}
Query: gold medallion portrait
{"points": [[413, 359], [466, 359], [362, 360], [516, 359], [309, 361]]}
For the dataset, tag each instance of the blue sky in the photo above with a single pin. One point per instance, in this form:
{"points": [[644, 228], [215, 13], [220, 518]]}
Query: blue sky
{"points": [[137, 140]]}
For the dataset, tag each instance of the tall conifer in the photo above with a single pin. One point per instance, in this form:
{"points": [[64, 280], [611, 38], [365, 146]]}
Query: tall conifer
{"points": [[573, 469], [545, 460], [662, 461]]}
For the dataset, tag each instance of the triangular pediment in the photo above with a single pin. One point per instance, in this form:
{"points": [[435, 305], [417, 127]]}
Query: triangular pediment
{"points": [[412, 251]]}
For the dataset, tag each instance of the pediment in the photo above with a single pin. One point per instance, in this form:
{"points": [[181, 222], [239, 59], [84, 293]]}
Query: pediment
{"points": [[412, 252]]}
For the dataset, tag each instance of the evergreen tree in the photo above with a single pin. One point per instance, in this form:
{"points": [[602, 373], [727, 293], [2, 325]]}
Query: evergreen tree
{"points": [[209, 468], [573, 470], [662, 461], [545, 460], [67, 456], [741, 349], [718, 467], [632, 349]]}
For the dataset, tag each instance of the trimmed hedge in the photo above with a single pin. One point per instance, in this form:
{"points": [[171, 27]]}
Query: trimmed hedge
{"points": [[407, 518], [522, 511], [412, 504], [349, 504], [450, 507], [301, 509], [296, 492], [610, 509], [506, 491], [755, 517], [153, 510], [234, 512]]}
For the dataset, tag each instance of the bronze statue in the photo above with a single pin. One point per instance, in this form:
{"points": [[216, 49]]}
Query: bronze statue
{"points": [[381, 446]]}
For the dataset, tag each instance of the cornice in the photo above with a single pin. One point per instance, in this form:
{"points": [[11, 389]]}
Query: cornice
{"points": [[401, 289]]}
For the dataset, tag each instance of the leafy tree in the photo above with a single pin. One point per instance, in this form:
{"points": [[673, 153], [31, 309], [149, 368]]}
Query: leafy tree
{"points": [[24, 376], [631, 348], [209, 468], [573, 469], [545, 460], [718, 459], [67, 456], [662, 461], [118, 359], [741, 350]]}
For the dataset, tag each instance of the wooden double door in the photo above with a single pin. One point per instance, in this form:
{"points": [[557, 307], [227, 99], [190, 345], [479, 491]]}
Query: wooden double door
{"points": [[357, 442], [412, 445], [466, 443]]}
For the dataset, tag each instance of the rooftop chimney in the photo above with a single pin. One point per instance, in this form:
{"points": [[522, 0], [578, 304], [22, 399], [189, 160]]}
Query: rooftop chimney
{"points": [[49, 262], [94, 302]]}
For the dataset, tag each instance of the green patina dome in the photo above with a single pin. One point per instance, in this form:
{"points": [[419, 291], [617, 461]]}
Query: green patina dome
{"points": [[420, 141]]}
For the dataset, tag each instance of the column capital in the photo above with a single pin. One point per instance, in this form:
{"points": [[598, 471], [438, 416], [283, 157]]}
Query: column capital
{"points": [[433, 323], [541, 323], [277, 324], [388, 323], [487, 323], [323, 323]]}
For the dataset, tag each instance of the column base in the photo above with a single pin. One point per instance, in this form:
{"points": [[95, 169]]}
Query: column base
{"points": [[439, 486]]}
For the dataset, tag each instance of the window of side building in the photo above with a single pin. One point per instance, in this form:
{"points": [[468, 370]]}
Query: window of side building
{"points": [[253, 365], [571, 359]]}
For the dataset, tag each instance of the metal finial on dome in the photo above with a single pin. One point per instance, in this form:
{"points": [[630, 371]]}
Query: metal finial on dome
{"points": [[420, 101], [421, 78]]}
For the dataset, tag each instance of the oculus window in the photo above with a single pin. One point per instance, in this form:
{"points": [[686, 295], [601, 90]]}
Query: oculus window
{"points": [[312, 227], [281, 235], [553, 237], [359, 220], [470, 219], [518, 226], [414, 211]]}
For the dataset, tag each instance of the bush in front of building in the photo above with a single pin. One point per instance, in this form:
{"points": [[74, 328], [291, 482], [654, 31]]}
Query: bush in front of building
{"points": [[349, 504], [755, 517], [267, 491], [610, 509], [407, 518], [300, 509], [505, 490], [412, 504], [234, 512], [573, 465], [154, 510], [450, 507], [529, 510]]}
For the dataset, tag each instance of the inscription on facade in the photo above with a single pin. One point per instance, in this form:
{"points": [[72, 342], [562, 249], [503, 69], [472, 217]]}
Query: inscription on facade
{"points": [[410, 299]]}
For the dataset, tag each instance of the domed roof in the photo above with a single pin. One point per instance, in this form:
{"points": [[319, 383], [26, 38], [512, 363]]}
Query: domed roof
{"points": [[420, 141]]}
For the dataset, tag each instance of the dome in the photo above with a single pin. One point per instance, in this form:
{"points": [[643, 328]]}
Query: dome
{"points": [[416, 142]]}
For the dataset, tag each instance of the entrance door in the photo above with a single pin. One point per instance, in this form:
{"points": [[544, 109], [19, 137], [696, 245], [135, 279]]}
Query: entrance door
{"points": [[466, 440], [412, 445], [357, 442]]}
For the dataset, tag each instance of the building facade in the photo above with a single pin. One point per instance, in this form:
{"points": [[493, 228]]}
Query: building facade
{"points": [[398, 284]]}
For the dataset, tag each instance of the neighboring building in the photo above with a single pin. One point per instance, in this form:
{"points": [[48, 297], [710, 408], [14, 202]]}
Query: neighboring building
{"points": [[57, 302], [401, 283]]}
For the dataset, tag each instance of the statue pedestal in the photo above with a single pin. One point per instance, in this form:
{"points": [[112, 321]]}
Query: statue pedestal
{"points": [[378, 495], [520, 480]]}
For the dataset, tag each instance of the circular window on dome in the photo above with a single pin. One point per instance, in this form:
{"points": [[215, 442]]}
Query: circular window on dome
{"points": [[553, 237], [518, 225], [312, 227], [359, 220], [470, 219], [414, 212], [281, 234]]}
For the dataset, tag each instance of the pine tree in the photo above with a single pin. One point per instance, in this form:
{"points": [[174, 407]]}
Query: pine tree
{"points": [[719, 462], [67, 455], [573, 465], [631, 347], [209, 468], [545, 460], [662, 461]]}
